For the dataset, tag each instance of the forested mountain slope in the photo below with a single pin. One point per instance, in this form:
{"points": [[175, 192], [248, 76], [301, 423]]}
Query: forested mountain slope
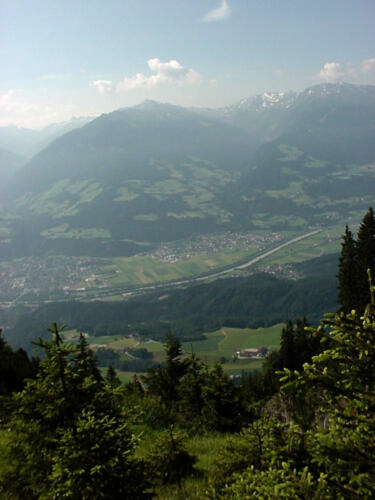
{"points": [[157, 172]]}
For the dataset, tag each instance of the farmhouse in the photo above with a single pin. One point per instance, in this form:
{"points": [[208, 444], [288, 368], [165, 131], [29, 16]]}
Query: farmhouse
{"points": [[252, 353]]}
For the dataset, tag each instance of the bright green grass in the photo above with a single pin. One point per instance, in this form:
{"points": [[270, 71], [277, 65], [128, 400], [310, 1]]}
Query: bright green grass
{"points": [[291, 153], [227, 341], [325, 242], [206, 449], [45, 203], [146, 270], [6, 438], [315, 163], [115, 341], [169, 186], [243, 365], [152, 346], [75, 233], [209, 345], [264, 221], [124, 194], [216, 345], [238, 338], [146, 217], [90, 192], [76, 187], [70, 335], [126, 376]]}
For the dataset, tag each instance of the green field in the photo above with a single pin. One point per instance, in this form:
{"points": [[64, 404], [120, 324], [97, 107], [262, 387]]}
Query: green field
{"points": [[223, 343], [325, 242], [147, 270]]}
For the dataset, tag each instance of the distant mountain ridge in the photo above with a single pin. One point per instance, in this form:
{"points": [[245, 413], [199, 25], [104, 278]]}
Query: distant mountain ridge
{"points": [[313, 115], [27, 142], [156, 172], [9, 164]]}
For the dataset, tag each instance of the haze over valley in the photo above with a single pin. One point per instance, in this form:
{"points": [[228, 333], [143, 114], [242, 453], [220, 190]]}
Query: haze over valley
{"points": [[209, 186], [187, 249]]}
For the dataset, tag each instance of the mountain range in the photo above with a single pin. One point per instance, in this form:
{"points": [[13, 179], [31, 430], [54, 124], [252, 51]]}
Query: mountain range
{"points": [[156, 172]]}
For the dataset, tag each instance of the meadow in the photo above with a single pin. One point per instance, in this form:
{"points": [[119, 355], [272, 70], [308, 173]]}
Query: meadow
{"points": [[148, 270], [220, 345], [325, 242]]}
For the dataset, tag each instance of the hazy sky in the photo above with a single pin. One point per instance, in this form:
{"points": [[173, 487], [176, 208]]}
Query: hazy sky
{"points": [[64, 58]]}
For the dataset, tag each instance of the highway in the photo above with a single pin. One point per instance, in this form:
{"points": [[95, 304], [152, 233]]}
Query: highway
{"points": [[138, 290]]}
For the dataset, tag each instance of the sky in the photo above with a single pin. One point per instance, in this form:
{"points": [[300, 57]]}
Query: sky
{"points": [[66, 58]]}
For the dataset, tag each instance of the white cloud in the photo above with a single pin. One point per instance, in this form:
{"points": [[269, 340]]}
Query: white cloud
{"points": [[171, 72], [333, 72], [368, 65], [17, 108], [56, 76], [219, 14], [11, 102], [103, 86]]}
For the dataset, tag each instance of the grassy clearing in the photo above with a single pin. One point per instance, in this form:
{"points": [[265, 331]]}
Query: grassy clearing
{"points": [[62, 231], [205, 448], [146, 217], [6, 439], [291, 153], [124, 194], [238, 338], [152, 346], [225, 342]]}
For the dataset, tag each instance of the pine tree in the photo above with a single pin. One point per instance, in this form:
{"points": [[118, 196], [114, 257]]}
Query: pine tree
{"points": [[287, 347], [111, 377], [347, 285], [69, 435], [357, 256], [86, 362], [365, 259]]}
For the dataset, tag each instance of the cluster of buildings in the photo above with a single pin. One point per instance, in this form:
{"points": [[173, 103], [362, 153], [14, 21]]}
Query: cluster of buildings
{"points": [[252, 353], [211, 243]]}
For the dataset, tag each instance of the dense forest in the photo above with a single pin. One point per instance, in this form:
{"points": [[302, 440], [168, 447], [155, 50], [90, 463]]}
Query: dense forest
{"points": [[259, 300], [302, 427]]}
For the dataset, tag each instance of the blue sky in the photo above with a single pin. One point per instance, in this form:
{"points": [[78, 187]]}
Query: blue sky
{"points": [[64, 58]]}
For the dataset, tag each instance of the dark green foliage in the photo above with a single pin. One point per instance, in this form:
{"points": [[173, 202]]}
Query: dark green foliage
{"points": [[222, 408], [92, 461], [162, 382], [297, 347], [329, 453], [69, 436], [185, 391], [257, 301], [111, 377], [347, 296], [357, 256], [256, 388], [288, 351], [191, 393], [15, 367], [140, 362], [86, 361], [365, 253], [167, 459], [260, 444]]}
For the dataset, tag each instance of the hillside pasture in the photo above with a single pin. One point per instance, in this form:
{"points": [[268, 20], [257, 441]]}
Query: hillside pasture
{"points": [[215, 346]]}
